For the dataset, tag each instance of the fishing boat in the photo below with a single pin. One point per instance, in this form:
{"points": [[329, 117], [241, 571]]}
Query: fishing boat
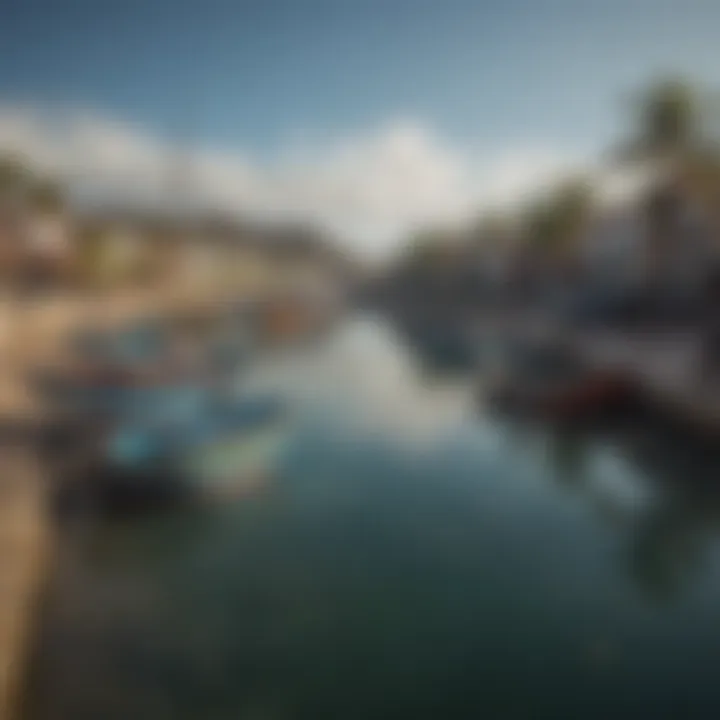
{"points": [[223, 450], [551, 380], [145, 367]]}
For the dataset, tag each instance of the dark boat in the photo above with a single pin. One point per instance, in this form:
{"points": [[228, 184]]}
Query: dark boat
{"points": [[551, 380]]}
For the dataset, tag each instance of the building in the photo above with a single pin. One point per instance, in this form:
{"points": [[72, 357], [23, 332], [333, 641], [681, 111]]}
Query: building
{"points": [[661, 238]]}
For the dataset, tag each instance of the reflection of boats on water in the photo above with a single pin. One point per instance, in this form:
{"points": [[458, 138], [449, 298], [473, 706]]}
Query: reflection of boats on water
{"points": [[676, 530], [664, 498]]}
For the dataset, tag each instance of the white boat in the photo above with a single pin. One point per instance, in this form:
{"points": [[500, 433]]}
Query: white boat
{"points": [[235, 463]]}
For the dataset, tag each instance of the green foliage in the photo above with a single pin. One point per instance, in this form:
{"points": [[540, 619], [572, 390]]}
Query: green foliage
{"points": [[555, 224], [46, 196], [667, 121], [29, 190], [91, 249], [14, 175]]}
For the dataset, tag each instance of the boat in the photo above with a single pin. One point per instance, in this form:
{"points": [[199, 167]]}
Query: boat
{"points": [[112, 391], [234, 463], [223, 450], [551, 380], [144, 368]]}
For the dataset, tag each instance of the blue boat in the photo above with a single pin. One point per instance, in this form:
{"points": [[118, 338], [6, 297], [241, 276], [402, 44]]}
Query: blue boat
{"points": [[218, 450], [143, 369]]}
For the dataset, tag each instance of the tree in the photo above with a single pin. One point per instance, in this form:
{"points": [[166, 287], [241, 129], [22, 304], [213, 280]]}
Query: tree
{"points": [[667, 122], [46, 196], [555, 225], [91, 255], [14, 176], [669, 132]]}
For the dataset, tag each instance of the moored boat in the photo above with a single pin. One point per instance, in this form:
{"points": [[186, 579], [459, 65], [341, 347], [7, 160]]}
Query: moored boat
{"points": [[223, 450], [553, 381]]}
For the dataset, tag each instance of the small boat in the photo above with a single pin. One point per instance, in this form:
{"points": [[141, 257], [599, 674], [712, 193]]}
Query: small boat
{"points": [[222, 450], [551, 381], [117, 392], [116, 382], [235, 463]]}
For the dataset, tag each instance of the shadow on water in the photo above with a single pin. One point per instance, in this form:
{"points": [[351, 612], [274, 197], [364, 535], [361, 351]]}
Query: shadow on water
{"points": [[678, 530], [674, 529]]}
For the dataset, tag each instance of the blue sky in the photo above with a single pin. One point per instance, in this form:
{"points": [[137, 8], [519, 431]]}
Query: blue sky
{"points": [[482, 77]]}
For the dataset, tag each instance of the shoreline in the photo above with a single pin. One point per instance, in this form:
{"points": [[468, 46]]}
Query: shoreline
{"points": [[32, 332]]}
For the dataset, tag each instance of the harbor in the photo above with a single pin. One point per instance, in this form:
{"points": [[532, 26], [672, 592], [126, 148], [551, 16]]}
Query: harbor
{"points": [[662, 369], [47, 448], [359, 361], [220, 605], [58, 473]]}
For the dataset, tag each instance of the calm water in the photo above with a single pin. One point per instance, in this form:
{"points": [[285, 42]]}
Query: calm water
{"points": [[409, 557]]}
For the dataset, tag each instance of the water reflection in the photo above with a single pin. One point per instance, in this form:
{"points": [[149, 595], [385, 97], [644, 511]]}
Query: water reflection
{"points": [[411, 558], [568, 451], [680, 527], [674, 522], [654, 484]]}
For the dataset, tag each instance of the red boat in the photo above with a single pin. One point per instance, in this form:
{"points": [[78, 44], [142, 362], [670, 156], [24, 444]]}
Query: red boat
{"points": [[596, 392]]}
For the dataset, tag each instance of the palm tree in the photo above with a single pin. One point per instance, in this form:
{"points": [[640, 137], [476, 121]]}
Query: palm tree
{"points": [[668, 134], [667, 123]]}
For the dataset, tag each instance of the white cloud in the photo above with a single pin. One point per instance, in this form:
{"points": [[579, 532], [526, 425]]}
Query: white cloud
{"points": [[369, 189]]}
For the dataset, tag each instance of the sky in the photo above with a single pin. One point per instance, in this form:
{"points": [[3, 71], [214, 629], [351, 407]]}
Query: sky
{"points": [[369, 117]]}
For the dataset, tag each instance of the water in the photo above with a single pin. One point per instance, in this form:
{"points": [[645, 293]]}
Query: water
{"points": [[409, 557]]}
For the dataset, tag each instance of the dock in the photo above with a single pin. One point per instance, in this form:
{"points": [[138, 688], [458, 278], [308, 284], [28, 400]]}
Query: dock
{"points": [[663, 364]]}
